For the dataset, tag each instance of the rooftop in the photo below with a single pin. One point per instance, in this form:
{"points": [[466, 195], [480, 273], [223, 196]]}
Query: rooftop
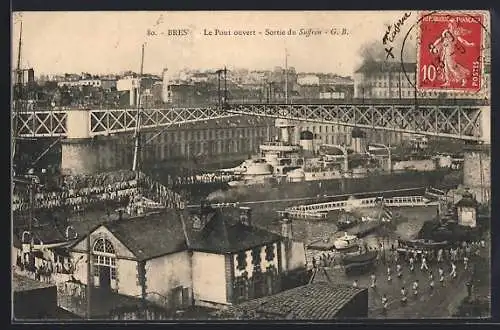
{"points": [[318, 301], [151, 236], [171, 231], [224, 233], [383, 66]]}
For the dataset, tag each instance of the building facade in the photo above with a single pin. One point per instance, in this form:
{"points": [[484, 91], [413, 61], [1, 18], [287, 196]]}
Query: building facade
{"points": [[176, 260], [233, 138], [395, 80], [385, 80]]}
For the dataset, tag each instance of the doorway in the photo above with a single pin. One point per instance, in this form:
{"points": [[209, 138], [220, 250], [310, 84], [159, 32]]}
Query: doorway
{"points": [[104, 277]]}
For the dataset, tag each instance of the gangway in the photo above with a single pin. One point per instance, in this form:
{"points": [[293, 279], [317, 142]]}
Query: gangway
{"points": [[402, 201], [297, 214]]}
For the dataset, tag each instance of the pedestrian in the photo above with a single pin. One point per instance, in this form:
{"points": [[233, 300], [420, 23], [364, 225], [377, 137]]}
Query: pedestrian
{"points": [[412, 267], [424, 263], [441, 275], [355, 284], [404, 298], [453, 272], [466, 262], [389, 277], [415, 288], [431, 282], [385, 303], [399, 270], [440, 255], [483, 243], [374, 280], [468, 284]]}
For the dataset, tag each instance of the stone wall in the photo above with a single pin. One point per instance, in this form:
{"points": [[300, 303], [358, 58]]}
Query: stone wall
{"points": [[477, 172]]}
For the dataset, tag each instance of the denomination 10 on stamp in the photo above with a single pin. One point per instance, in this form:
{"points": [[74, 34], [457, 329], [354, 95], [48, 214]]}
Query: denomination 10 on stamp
{"points": [[450, 52]]}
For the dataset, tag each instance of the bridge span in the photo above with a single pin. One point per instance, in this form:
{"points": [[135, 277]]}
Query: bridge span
{"points": [[470, 122]]}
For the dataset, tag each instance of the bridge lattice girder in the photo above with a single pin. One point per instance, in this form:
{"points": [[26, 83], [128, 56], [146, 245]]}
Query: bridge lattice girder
{"points": [[116, 121], [460, 122]]}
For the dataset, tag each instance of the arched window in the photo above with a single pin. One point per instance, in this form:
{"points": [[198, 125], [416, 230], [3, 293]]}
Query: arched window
{"points": [[104, 255], [103, 245]]}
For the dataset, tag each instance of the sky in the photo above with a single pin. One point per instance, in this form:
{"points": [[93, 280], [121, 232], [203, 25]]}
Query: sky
{"points": [[110, 42]]}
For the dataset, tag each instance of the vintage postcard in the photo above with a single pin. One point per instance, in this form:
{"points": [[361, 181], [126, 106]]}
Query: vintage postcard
{"points": [[247, 165]]}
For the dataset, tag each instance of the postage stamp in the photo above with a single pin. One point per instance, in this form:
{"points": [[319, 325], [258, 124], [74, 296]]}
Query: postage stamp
{"points": [[450, 52]]}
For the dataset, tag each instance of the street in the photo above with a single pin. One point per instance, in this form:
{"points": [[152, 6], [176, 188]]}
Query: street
{"points": [[437, 303]]}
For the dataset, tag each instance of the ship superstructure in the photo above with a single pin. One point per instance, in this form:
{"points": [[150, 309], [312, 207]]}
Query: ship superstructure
{"points": [[286, 161]]}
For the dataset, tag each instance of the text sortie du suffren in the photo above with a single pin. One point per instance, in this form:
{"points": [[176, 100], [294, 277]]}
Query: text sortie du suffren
{"points": [[306, 32]]}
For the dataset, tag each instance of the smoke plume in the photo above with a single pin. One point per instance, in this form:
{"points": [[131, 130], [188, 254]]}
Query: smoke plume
{"points": [[375, 50]]}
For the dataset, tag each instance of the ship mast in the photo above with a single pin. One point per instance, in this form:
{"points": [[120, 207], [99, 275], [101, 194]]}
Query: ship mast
{"points": [[18, 86], [138, 117], [286, 76]]}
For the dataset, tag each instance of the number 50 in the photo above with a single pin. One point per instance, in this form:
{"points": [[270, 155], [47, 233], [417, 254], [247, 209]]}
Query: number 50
{"points": [[429, 72]]}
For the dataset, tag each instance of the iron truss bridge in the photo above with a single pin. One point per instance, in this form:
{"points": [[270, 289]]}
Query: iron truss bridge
{"points": [[459, 122], [105, 122]]}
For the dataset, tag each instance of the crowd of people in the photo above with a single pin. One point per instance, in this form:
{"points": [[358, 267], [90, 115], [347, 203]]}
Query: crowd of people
{"points": [[80, 190], [436, 266], [202, 178]]}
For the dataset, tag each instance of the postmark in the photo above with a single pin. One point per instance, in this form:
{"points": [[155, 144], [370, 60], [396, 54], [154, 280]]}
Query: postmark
{"points": [[450, 52]]}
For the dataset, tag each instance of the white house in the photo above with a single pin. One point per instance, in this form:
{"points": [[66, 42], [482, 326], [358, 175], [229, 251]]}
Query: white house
{"points": [[178, 259]]}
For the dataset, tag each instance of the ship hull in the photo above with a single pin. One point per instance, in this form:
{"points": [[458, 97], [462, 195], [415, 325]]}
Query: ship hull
{"points": [[220, 192], [333, 187]]}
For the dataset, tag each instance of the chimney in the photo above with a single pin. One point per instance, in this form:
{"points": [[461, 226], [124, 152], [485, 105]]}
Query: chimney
{"points": [[286, 226], [246, 215]]}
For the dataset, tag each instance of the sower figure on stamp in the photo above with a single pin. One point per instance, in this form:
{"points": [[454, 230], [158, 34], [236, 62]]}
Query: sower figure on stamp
{"points": [[445, 47]]}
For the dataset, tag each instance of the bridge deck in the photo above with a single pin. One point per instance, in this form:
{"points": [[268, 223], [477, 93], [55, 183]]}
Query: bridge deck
{"points": [[460, 122]]}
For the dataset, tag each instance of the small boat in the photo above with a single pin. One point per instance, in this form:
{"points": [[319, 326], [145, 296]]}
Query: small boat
{"points": [[347, 220], [346, 242]]}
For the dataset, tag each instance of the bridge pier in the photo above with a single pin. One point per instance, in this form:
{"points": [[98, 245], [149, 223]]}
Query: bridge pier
{"points": [[477, 171], [82, 153], [477, 161], [79, 156]]}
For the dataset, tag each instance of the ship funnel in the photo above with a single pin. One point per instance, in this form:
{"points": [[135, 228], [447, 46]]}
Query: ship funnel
{"points": [[306, 141], [358, 140], [285, 127]]}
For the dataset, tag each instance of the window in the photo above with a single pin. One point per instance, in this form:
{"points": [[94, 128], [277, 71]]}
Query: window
{"points": [[104, 246]]}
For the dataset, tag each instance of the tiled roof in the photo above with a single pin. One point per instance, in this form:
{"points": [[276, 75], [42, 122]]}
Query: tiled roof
{"points": [[151, 236], [318, 301], [224, 233], [49, 233], [171, 231]]}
